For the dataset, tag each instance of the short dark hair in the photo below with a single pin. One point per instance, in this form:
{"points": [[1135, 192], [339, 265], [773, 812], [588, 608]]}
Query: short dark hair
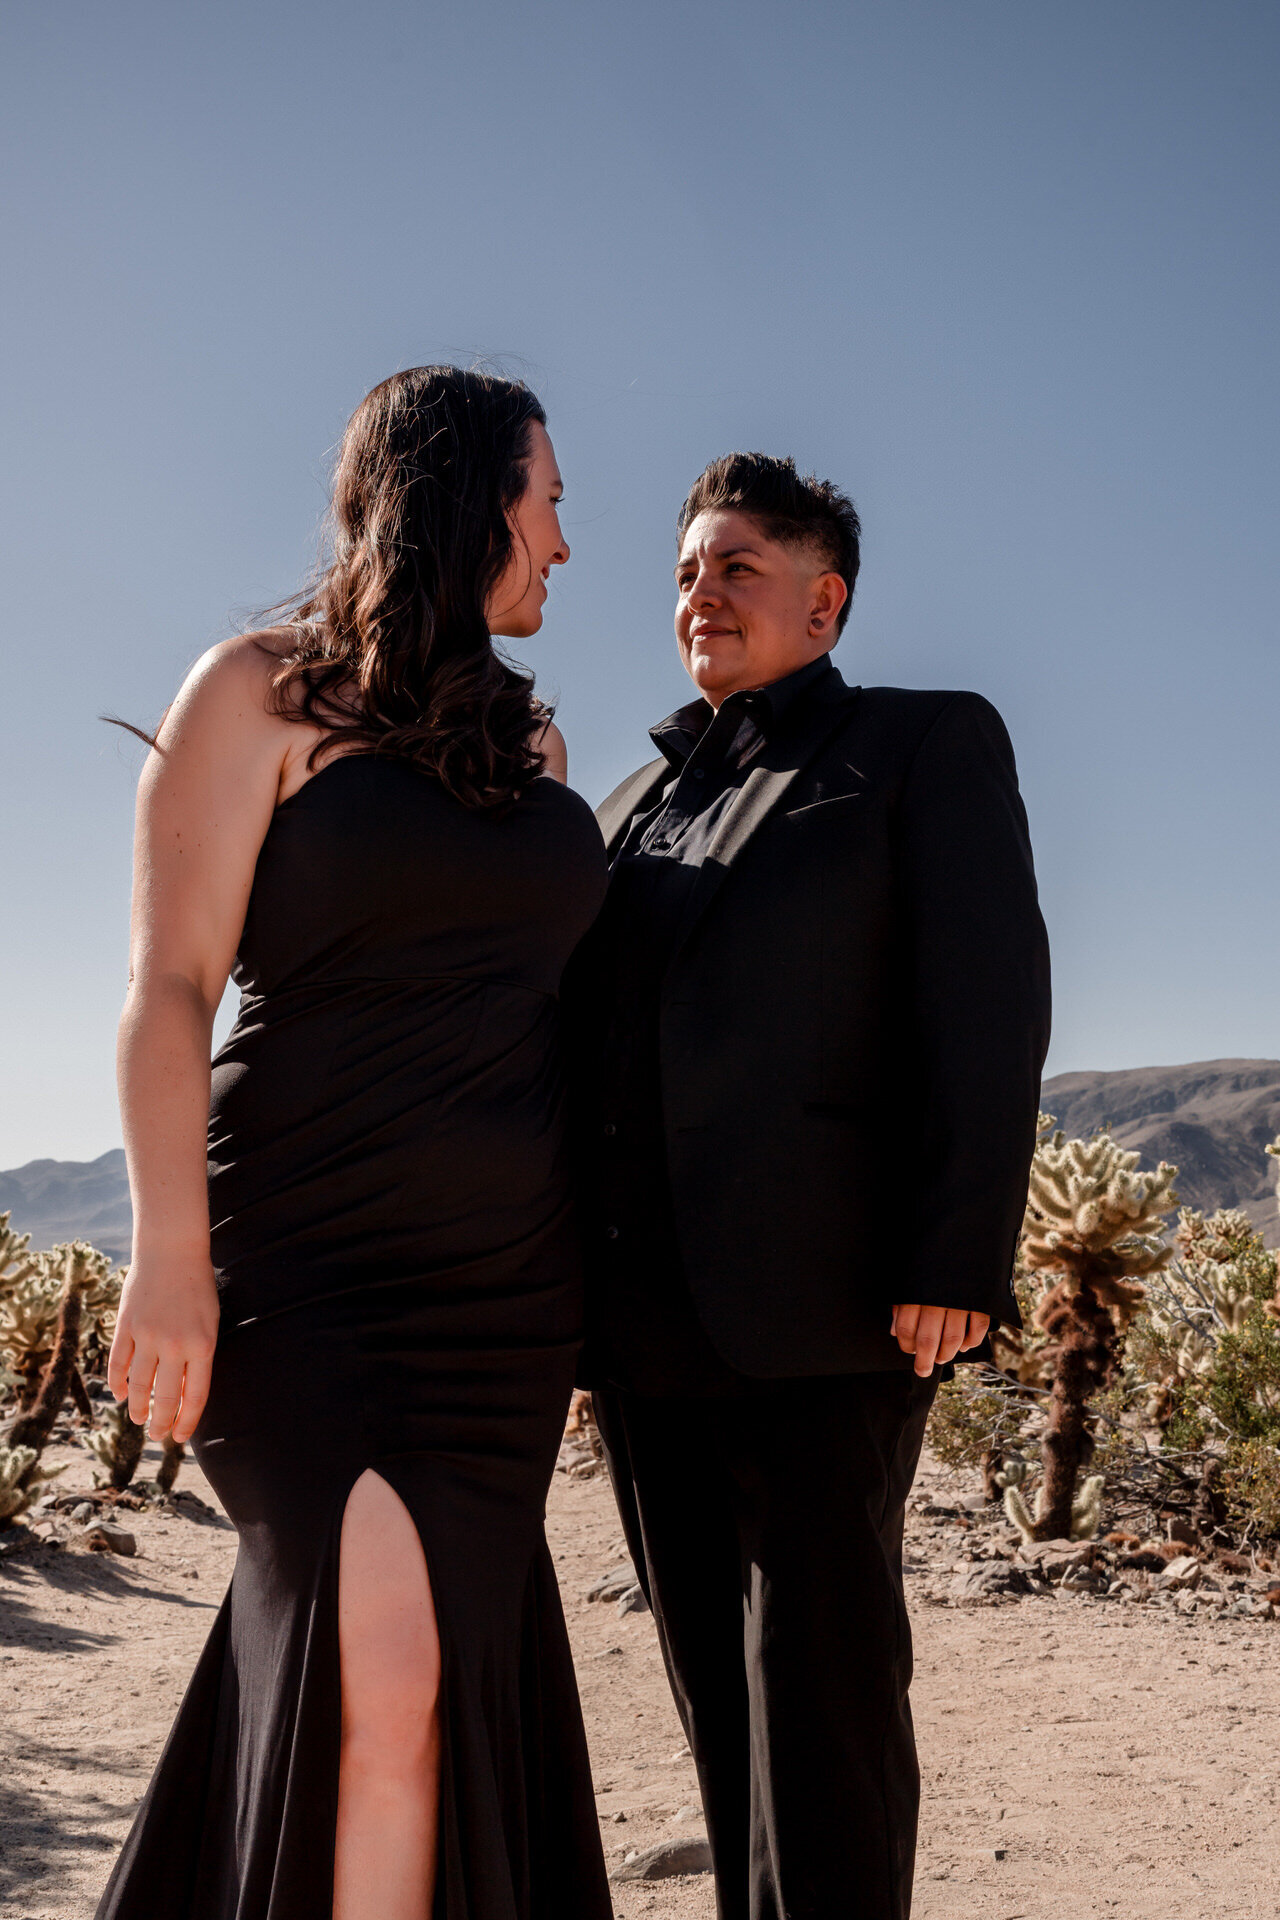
{"points": [[797, 509]]}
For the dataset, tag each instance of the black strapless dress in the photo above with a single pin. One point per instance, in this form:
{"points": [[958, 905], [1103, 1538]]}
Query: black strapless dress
{"points": [[400, 1288]]}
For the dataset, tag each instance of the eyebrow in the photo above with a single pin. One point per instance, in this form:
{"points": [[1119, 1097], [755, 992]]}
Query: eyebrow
{"points": [[725, 553]]}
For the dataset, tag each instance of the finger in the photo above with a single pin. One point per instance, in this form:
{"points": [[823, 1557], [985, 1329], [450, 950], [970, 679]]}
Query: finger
{"points": [[979, 1325], [928, 1334], [195, 1391], [165, 1399], [142, 1371], [905, 1322], [118, 1363], [954, 1328], [893, 1324]]}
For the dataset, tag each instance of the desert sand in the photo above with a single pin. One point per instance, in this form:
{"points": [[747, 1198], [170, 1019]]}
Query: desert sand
{"points": [[1079, 1758]]}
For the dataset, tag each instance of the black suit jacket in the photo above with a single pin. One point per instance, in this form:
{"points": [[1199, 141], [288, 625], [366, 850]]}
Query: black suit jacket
{"points": [[852, 1029]]}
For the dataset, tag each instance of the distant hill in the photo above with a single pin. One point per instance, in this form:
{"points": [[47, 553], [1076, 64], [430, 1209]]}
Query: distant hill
{"points": [[1213, 1120], [55, 1200]]}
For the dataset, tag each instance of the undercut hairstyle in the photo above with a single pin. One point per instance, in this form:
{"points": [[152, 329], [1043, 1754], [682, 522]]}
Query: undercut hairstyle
{"points": [[389, 649], [796, 509]]}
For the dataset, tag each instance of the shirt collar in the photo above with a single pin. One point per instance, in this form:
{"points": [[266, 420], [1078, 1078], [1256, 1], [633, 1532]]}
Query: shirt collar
{"points": [[678, 735]]}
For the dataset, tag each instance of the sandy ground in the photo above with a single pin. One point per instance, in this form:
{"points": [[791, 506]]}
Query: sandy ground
{"points": [[1079, 1758]]}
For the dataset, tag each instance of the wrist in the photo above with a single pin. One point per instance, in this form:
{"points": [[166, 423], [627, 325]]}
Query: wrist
{"points": [[186, 1249]]}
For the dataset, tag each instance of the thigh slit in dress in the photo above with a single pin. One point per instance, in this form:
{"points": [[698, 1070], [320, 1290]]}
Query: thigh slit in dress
{"points": [[400, 1290]]}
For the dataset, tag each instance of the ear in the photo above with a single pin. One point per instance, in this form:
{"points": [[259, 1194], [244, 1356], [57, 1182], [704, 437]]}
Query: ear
{"points": [[829, 595]]}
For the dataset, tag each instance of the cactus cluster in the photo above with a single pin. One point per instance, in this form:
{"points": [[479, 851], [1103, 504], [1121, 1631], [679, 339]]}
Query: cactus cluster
{"points": [[31, 1286], [21, 1480], [1086, 1503], [117, 1447], [1204, 1290], [57, 1316], [1150, 1358]]}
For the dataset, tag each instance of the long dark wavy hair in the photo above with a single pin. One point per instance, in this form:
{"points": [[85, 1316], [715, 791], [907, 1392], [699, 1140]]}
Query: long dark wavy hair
{"points": [[389, 649]]}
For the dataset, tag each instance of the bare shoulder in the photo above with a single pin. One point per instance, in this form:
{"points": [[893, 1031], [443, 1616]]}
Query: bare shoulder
{"points": [[550, 744], [231, 680], [222, 715]]}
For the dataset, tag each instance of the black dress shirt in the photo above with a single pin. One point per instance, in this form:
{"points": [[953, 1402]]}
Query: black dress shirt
{"points": [[645, 1333]]}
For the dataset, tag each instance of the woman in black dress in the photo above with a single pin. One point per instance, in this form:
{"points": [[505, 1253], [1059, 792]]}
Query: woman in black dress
{"points": [[368, 1317]]}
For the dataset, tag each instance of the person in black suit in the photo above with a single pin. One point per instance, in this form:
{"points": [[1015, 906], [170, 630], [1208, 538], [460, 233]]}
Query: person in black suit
{"points": [[810, 1024]]}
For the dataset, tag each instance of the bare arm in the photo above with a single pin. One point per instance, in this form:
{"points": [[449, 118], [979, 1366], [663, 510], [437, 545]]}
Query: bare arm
{"points": [[205, 801]]}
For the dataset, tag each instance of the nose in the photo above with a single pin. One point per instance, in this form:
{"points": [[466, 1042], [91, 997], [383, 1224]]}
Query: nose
{"points": [[702, 593], [561, 553]]}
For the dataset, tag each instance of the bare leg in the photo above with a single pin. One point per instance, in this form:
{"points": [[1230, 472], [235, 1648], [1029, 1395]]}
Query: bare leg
{"points": [[389, 1777]]}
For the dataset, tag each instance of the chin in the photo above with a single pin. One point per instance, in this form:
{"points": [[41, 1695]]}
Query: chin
{"points": [[712, 676], [519, 626]]}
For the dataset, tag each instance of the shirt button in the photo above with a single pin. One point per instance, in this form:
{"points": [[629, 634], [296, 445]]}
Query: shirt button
{"points": [[699, 773], [611, 1233], [609, 1129]]}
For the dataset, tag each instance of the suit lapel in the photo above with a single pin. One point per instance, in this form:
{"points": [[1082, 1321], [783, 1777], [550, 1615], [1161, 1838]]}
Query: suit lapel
{"points": [[761, 791], [638, 791]]}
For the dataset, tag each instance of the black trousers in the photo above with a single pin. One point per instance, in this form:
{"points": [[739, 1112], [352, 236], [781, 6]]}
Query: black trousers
{"points": [[767, 1532]]}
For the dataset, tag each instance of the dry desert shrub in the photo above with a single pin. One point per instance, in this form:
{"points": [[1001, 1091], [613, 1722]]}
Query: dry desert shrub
{"points": [[1149, 1370]]}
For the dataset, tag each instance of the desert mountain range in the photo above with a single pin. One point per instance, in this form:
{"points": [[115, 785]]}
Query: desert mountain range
{"points": [[55, 1200], [1212, 1119]]}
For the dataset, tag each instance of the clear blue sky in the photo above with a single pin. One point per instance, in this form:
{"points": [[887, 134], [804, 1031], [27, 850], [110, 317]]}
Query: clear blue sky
{"points": [[1007, 270]]}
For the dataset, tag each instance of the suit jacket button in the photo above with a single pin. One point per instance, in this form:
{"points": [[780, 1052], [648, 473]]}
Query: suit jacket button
{"points": [[611, 1233], [609, 1129]]}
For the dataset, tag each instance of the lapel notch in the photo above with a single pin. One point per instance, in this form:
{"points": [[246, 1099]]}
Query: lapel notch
{"points": [[761, 792]]}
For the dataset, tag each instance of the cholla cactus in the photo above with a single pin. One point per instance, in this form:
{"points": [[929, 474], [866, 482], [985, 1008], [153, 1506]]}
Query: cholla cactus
{"points": [[28, 1310], [1086, 1506], [35, 1423], [1092, 1217], [21, 1479], [1093, 1224], [30, 1298], [173, 1454], [1204, 1291], [101, 1305], [1273, 1306], [15, 1254], [117, 1446]]}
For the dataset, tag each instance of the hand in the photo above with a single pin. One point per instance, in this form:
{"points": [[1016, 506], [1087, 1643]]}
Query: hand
{"points": [[162, 1353], [937, 1334]]}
